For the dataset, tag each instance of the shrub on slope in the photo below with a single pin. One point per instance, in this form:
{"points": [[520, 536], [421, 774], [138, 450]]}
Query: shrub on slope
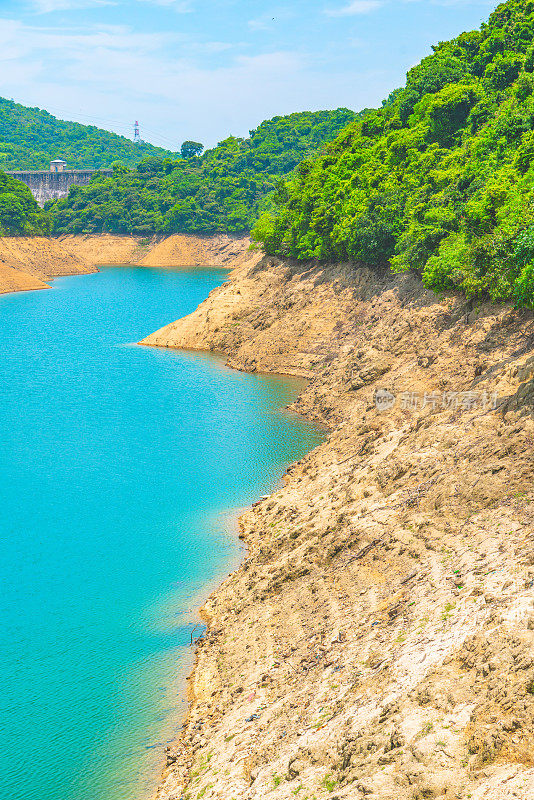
{"points": [[439, 179], [223, 190], [19, 213], [30, 138]]}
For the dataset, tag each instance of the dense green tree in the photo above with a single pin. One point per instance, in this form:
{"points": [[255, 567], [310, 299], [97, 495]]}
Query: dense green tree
{"points": [[225, 189], [440, 179], [151, 164], [30, 138], [191, 149], [19, 213]]}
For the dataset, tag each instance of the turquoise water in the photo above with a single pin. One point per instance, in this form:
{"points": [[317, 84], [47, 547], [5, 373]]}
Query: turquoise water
{"points": [[120, 465]]}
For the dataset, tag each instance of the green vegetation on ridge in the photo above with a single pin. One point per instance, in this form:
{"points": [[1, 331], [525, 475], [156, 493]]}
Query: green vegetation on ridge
{"points": [[223, 190], [439, 179], [19, 212], [30, 138]]}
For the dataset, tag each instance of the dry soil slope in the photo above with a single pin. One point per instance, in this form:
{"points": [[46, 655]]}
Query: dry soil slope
{"points": [[105, 248], [179, 250], [378, 641], [26, 263]]}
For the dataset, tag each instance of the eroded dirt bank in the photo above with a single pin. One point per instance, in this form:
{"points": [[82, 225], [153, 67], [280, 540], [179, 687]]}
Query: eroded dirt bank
{"points": [[378, 640], [27, 263], [178, 250]]}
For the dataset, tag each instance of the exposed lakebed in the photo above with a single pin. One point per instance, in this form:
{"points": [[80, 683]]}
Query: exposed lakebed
{"points": [[120, 468]]}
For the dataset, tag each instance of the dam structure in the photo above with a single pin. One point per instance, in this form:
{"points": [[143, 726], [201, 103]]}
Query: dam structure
{"points": [[55, 183]]}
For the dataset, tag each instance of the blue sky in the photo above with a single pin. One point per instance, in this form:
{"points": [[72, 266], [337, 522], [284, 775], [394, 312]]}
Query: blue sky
{"points": [[204, 69]]}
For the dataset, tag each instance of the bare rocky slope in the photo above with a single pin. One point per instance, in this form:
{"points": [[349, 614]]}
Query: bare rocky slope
{"points": [[378, 640], [177, 250], [27, 262]]}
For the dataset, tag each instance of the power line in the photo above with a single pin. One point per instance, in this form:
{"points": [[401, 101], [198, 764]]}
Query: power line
{"points": [[125, 131]]}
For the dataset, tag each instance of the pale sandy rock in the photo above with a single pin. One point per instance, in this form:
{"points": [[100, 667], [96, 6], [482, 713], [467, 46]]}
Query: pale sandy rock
{"points": [[187, 250], [177, 250], [378, 640], [106, 248], [27, 262], [15, 280]]}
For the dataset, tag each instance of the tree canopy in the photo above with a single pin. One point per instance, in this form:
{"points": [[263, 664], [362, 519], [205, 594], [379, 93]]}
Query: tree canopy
{"points": [[19, 212], [225, 189], [191, 149], [439, 180], [30, 138]]}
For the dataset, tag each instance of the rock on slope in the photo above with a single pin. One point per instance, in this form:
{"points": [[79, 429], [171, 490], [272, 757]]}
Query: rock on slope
{"points": [[26, 263], [378, 640]]}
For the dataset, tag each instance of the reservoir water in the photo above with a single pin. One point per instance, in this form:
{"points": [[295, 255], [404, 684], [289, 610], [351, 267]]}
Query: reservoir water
{"points": [[120, 466]]}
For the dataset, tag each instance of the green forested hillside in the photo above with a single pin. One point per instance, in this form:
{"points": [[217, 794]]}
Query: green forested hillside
{"points": [[223, 190], [19, 212], [31, 138], [439, 180]]}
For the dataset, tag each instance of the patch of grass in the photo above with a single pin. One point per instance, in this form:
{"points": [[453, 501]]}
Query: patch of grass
{"points": [[277, 780], [425, 730], [329, 783]]}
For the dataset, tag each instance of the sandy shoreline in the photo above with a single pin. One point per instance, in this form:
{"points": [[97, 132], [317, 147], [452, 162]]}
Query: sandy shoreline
{"points": [[26, 263], [348, 655], [377, 639], [175, 250]]}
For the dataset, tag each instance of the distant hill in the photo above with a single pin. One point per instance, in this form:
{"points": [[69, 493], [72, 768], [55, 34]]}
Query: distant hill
{"points": [[30, 138], [224, 190]]}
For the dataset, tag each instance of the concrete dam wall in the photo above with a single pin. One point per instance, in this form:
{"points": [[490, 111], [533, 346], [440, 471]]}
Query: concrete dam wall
{"points": [[46, 185]]}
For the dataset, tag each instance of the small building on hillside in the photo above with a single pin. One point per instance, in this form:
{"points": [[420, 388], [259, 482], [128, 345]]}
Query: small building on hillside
{"points": [[58, 165]]}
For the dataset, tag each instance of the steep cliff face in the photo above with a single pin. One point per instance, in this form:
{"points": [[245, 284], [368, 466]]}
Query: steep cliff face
{"points": [[378, 640], [26, 263]]}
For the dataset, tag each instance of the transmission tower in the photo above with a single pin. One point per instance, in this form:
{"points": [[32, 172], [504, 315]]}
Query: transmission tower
{"points": [[137, 134]]}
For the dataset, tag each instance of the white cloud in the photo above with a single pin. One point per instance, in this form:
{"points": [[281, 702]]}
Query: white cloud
{"points": [[47, 6], [354, 8], [180, 6], [111, 75]]}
